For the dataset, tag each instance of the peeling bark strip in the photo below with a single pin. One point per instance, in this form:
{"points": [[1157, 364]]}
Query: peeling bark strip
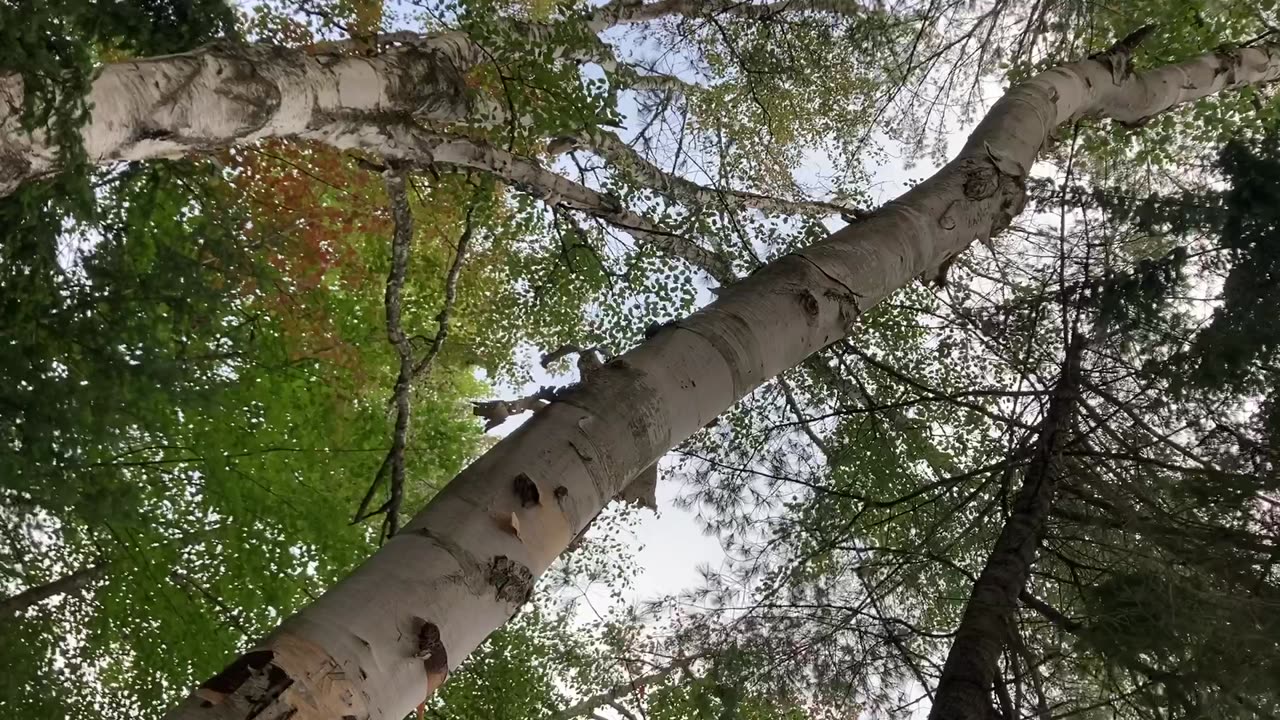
{"points": [[631, 411], [964, 689], [226, 94]]}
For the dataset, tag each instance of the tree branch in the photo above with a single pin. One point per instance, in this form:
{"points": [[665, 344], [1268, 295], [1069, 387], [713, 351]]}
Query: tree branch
{"points": [[611, 695], [611, 147], [626, 12], [450, 294], [528, 176], [393, 464], [72, 584]]}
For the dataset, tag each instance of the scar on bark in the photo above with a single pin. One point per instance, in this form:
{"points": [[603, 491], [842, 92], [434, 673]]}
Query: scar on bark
{"points": [[252, 667], [527, 490], [435, 659], [511, 581], [809, 304]]}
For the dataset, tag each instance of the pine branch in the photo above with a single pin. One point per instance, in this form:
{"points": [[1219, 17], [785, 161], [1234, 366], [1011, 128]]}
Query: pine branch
{"points": [[588, 705]]}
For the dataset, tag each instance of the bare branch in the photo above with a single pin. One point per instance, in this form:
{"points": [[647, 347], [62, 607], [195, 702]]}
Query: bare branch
{"points": [[556, 190], [625, 12], [72, 584], [609, 146], [393, 464]]}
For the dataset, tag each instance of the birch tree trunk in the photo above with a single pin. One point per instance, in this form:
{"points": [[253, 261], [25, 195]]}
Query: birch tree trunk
{"points": [[226, 94], [386, 636], [964, 689]]}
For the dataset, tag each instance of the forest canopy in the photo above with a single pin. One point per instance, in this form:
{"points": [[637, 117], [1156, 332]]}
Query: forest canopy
{"points": [[348, 349]]}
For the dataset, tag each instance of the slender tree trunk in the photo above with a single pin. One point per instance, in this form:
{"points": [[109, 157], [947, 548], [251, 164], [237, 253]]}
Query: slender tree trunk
{"points": [[964, 690], [386, 636], [74, 583]]}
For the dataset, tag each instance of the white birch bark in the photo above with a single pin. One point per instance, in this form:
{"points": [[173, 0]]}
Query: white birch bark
{"points": [[625, 12], [609, 146], [386, 636], [220, 96], [555, 189], [227, 94]]}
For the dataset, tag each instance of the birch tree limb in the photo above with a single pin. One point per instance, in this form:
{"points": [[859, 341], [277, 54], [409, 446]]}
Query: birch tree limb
{"points": [[626, 12], [373, 644], [225, 94], [71, 584], [610, 696], [611, 147], [554, 189]]}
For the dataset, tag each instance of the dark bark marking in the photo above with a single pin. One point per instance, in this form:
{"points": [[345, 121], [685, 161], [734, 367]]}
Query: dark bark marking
{"points": [[511, 581], [152, 133], [527, 490], [982, 182], [1013, 197], [429, 84], [655, 327], [238, 672], [259, 97], [809, 304], [256, 679], [431, 651]]}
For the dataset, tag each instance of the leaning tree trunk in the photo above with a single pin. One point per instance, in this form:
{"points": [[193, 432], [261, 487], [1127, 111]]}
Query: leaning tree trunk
{"points": [[964, 689], [226, 94], [386, 636]]}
